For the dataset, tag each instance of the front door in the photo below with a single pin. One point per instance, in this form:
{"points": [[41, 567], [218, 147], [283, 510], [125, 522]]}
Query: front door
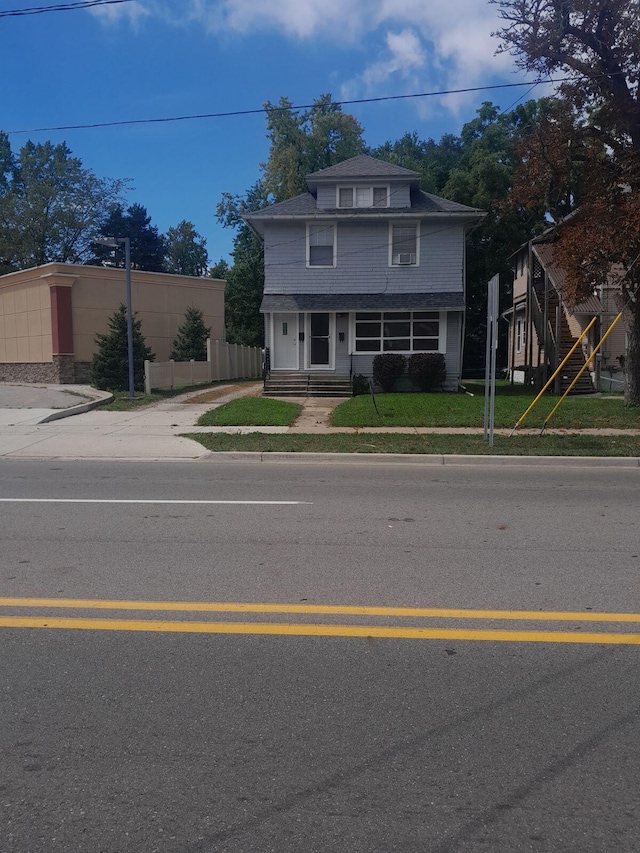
{"points": [[320, 340], [285, 342]]}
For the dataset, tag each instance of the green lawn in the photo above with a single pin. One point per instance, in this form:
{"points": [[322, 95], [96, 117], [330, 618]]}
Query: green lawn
{"points": [[452, 410], [519, 445], [252, 411]]}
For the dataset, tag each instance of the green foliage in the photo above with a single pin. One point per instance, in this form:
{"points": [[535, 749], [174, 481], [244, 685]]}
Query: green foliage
{"points": [[219, 270], [388, 367], [191, 339], [110, 363], [427, 370], [186, 250], [51, 208], [245, 280], [304, 142], [360, 385], [147, 245]]}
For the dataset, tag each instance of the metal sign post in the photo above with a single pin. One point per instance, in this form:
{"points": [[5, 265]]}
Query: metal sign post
{"points": [[491, 356]]}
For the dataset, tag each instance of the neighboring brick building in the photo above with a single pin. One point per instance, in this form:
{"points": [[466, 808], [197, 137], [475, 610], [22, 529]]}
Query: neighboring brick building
{"points": [[50, 315]]}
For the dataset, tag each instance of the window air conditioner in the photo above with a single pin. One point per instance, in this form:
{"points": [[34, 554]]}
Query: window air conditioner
{"points": [[405, 258]]}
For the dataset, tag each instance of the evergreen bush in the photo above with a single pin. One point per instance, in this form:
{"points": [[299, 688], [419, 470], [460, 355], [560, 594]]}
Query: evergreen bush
{"points": [[190, 341], [387, 368], [110, 363], [427, 370]]}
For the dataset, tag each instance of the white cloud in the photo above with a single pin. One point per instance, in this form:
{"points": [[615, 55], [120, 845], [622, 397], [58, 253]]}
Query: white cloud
{"points": [[132, 12], [423, 45]]}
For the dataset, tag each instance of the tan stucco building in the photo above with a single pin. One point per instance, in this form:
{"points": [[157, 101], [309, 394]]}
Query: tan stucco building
{"points": [[50, 315]]}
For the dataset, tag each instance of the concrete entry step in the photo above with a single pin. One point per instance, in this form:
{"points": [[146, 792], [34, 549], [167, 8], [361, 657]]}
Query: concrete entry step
{"points": [[307, 385]]}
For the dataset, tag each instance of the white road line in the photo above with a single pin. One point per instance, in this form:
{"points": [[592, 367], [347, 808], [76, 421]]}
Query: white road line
{"points": [[143, 501]]}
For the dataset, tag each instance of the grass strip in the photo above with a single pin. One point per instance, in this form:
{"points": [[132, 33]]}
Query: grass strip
{"points": [[252, 411], [462, 410], [471, 445]]}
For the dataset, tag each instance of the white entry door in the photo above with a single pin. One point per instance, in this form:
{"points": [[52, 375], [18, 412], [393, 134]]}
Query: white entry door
{"points": [[285, 342]]}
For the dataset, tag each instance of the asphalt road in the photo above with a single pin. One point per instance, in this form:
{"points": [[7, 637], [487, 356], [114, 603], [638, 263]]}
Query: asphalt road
{"points": [[251, 730]]}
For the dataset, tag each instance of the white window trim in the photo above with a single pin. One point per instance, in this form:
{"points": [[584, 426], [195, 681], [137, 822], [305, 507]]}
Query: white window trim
{"points": [[371, 187], [335, 246], [403, 266], [442, 332]]}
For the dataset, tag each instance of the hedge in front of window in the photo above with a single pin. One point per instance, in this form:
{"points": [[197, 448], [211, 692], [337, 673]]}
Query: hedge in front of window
{"points": [[427, 370], [387, 368]]}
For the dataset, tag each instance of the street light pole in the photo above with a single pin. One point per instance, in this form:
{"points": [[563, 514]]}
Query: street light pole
{"points": [[127, 266], [113, 243]]}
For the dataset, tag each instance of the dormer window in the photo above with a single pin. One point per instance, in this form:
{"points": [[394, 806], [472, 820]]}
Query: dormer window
{"points": [[363, 196]]}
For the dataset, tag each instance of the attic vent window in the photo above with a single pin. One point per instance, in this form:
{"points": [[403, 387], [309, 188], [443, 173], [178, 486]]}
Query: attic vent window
{"points": [[363, 197]]}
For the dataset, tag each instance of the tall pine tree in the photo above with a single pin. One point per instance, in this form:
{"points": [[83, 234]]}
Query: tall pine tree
{"points": [[110, 363]]}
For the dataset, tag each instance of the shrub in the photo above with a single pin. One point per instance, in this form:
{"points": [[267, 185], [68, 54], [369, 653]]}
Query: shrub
{"points": [[360, 385], [191, 339], [110, 363], [388, 367], [427, 370]]}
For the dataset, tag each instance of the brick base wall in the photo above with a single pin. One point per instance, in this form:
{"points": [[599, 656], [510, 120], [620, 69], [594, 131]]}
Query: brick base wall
{"points": [[27, 372], [63, 371]]}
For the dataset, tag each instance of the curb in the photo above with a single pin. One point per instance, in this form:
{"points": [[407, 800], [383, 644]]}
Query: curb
{"points": [[105, 397], [632, 462]]}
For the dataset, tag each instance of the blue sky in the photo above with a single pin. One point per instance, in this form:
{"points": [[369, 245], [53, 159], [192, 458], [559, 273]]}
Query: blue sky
{"points": [[164, 58]]}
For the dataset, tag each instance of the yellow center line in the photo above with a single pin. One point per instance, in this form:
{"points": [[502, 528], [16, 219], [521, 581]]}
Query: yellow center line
{"points": [[327, 610], [305, 630]]}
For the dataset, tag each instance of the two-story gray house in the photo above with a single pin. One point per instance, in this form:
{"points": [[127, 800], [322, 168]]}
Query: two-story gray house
{"points": [[363, 263]]}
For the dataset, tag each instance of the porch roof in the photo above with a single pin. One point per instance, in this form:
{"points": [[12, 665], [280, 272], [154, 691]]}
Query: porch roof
{"points": [[362, 302]]}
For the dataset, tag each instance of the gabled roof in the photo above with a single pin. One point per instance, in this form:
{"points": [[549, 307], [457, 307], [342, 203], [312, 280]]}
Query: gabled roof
{"points": [[363, 166]]}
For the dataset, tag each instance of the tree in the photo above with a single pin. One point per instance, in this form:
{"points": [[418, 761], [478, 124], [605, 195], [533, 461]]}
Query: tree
{"points": [[596, 171], [51, 207], [219, 270], [191, 339], [186, 250], [110, 363], [245, 280], [304, 142], [147, 245]]}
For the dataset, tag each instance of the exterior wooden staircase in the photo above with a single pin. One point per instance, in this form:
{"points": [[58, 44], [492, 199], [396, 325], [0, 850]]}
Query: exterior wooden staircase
{"points": [[306, 385], [576, 362]]}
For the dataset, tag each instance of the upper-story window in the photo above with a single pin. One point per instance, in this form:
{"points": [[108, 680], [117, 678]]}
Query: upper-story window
{"points": [[363, 196], [321, 244], [403, 245]]}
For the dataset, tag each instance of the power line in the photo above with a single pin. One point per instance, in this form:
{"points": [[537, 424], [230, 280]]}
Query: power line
{"points": [[59, 7], [234, 113]]}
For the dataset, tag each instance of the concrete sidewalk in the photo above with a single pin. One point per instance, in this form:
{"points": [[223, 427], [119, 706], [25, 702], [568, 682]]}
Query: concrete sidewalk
{"points": [[153, 432], [150, 432]]}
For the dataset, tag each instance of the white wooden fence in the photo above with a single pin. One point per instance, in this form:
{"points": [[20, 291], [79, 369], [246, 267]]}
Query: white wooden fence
{"points": [[224, 361]]}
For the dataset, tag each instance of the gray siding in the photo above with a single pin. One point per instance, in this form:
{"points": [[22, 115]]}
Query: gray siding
{"points": [[363, 260], [399, 192]]}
